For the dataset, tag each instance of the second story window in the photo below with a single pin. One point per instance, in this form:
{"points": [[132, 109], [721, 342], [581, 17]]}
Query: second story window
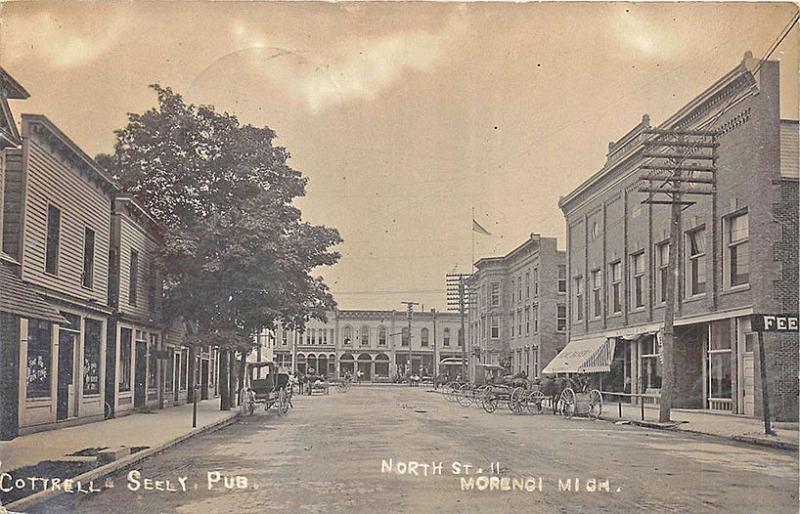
{"points": [[637, 279], [737, 239], [364, 335], [495, 333], [133, 277], [662, 263], [53, 239], [696, 261], [527, 284], [562, 278], [536, 281], [561, 317], [535, 310], [405, 337], [527, 320], [87, 279], [446, 337], [616, 287], [519, 322], [348, 334], [424, 337], [513, 322], [495, 294], [382, 336], [578, 298], [597, 304]]}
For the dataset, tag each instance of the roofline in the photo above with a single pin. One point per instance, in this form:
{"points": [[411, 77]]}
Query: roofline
{"points": [[746, 66], [14, 88], [534, 237], [128, 199], [72, 146]]}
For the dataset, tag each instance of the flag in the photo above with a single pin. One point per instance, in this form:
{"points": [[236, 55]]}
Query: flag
{"points": [[476, 227]]}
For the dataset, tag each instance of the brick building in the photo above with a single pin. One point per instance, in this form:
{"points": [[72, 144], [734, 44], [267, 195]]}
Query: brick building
{"points": [[737, 256], [376, 342], [518, 313]]}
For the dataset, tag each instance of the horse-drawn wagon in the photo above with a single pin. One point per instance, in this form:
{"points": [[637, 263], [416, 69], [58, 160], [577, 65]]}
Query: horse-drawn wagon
{"points": [[272, 390]]}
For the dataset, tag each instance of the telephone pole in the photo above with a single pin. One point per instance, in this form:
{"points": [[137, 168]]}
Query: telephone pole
{"points": [[680, 163], [458, 299], [410, 311]]}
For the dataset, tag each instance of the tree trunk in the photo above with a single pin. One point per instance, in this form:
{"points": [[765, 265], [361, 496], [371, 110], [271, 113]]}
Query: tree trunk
{"points": [[232, 378], [224, 381], [192, 373], [242, 370]]}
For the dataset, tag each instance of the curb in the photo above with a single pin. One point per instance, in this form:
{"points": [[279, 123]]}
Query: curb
{"points": [[116, 465], [756, 441]]}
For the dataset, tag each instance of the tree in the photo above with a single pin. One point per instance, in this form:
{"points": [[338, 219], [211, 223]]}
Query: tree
{"points": [[238, 256]]}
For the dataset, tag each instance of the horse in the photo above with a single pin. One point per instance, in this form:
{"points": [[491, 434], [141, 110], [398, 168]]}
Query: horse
{"points": [[552, 388]]}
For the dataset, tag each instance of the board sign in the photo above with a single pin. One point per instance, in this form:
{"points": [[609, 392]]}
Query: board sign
{"points": [[774, 323]]}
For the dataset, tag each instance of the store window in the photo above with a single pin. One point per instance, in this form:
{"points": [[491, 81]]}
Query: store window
{"points": [[125, 341], [719, 361], [651, 364], [91, 356], [696, 261], [37, 375], [152, 365], [737, 260], [578, 298]]}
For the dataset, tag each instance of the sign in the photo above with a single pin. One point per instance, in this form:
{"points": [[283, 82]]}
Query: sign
{"points": [[774, 323]]}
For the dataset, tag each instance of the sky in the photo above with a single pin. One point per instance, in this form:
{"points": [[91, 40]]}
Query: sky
{"points": [[404, 116]]}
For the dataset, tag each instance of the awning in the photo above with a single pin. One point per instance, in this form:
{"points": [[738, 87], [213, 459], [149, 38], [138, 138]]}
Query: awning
{"points": [[584, 356], [453, 360], [18, 298], [489, 366]]}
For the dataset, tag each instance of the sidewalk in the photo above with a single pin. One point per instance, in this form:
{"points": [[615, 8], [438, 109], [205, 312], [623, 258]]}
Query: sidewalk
{"points": [[142, 429], [729, 426]]}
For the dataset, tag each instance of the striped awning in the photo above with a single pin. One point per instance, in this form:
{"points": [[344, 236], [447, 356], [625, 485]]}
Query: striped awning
{"points": [[584, 356]]}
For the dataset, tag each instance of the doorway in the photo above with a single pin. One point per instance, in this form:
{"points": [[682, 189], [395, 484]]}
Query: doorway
{"points": [[747, 377], [66, 373], [140, 380]]}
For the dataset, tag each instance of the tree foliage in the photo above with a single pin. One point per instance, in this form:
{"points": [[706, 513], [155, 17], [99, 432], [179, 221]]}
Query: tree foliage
{"points": [[237, 254]]}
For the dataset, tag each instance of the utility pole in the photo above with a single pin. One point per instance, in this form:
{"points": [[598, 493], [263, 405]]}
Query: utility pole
{"points": [[680, 162], [410, 310], [435, 356], [459, 299]]}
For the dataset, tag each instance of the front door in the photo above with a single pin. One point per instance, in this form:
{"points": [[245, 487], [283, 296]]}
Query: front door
{"points": [[66, 373], [140, 379]]}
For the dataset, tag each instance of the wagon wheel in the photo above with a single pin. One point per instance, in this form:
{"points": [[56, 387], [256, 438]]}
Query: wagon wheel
{"points": [[595, 403], [516, 400], [449, 392], [489, 402], [535, 402], [464, 395], [566, 403]]}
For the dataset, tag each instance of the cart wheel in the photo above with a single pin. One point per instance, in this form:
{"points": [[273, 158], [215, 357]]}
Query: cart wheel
{"points": [[595, 403], [464, 395], [489, 403], [567, 403], [535, 402], [515, 401]]}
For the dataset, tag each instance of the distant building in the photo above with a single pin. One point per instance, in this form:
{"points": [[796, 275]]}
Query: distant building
{"points": [[375, 342], [519, 305], [738, 255]]}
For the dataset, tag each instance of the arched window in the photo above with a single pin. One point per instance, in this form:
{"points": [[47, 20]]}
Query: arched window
{"points": [[364, 335], [424, 337], [348, 334], [382, 336], [447, 337]]}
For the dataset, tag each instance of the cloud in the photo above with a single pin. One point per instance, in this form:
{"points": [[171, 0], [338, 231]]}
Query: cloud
{"points": [[58, 40], [358, 70], [637, 33]]}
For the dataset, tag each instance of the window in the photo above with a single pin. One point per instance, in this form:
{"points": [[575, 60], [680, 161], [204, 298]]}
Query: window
{"points": [[536, 281], [405, 337], [53, 239], [460, 337], [424, 337], [495, 327], [152, 366], [637, 279], [364, 335], [152, 286], [495, 294], [527, 284], [616, 287], [535, 310], [185, 368], [323, 336], [133, 277], [519, 288], [169, 364], [719, 360], [87, 279], [446, 340], [578, 298], [125, 341], [527, 320], [312, 335], [485, 294], [513, 322], [483, 327], [738, 261], [348, 334], [561, 317], [37, 374], [382, 336], [696, 248], [651, 364], [91, 356], [284, 337], [662, 263], [562, 278], [597, 304], [595, 231]]}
